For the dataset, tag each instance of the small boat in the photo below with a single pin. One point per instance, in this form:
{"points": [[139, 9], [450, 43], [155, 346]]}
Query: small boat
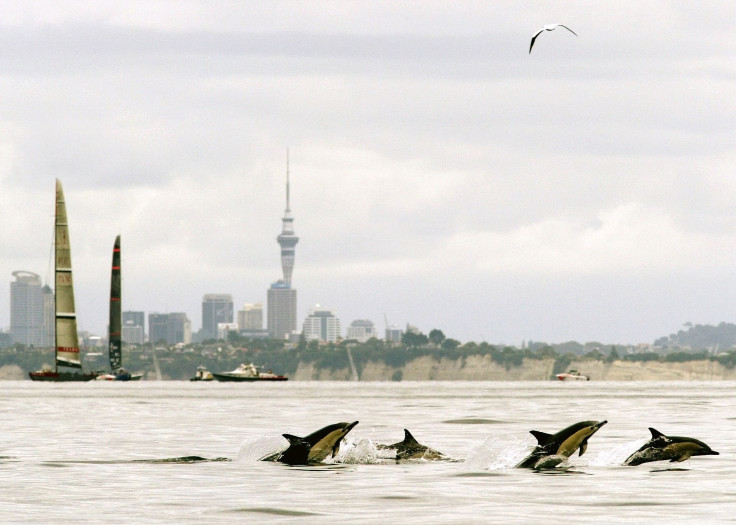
{"points": [[116, 323], [66, 340], [202, 374], [572, 375], [249, 372]]}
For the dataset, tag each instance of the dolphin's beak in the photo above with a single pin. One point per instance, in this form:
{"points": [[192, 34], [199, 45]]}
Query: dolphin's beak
{"points": [[712, 453], [350, 426], [600, 424]]}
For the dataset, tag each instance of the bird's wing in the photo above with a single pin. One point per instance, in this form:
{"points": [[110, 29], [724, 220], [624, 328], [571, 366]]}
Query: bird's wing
{"points": [[573, 32], [533, 39]]}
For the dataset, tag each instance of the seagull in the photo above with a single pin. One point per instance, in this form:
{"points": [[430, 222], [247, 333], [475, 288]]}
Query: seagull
{"points": [[549, 27]]}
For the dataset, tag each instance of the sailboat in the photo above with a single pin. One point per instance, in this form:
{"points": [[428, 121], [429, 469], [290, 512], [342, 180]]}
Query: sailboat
{"points": [[66, 339], [116, 323]]}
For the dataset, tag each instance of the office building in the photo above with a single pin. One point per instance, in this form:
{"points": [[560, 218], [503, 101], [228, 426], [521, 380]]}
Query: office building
{"points": [[361, 330], [216, 309], [134, 330], [27, 309], [393, 334], [170, 328], [322, 325], [281, 310], [251, 317]]}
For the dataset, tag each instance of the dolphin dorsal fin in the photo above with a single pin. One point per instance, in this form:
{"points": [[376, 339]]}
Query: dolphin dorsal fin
{"points": [[292, 438], [542, 437], [656, 433], [408, 438]]}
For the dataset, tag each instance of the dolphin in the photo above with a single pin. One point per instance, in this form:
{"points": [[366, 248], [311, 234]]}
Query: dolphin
{"points": [[674, 448], [410, 448], [553, 449], [312, 448]]}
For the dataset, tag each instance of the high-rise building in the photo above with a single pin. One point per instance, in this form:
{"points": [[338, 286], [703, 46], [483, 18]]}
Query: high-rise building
{"points": [[171, 328], [26, 309], [134, 329], [49, 317], [322, 325], [216, 308], [251, 317], [281, 310], [361, 330], [281, 298]]}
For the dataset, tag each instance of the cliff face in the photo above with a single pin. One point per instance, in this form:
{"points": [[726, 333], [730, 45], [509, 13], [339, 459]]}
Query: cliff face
{"points": [[482, 368]]}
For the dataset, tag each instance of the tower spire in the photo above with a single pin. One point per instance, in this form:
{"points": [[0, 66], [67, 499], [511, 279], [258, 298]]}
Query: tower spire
{"points": [[288, 207], [287, 240]]}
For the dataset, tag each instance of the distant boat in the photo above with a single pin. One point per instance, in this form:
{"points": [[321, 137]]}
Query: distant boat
{"points": [[572, 375], [249, 372], [202, 374], [66, 340], [116, 323]]}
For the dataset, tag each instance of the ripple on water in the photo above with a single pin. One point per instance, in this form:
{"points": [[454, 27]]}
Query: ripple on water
{"points": [[275, 512], [474, 421]]}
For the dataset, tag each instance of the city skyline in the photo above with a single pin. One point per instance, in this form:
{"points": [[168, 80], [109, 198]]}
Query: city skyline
{"points": [[442, 174]]}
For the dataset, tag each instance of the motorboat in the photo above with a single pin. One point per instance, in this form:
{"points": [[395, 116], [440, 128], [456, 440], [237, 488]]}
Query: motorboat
{"points": [[572, 375], [202, 374], [249, 372]]}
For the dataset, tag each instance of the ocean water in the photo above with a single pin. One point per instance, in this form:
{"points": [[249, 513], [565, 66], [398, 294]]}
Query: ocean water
{"points": [[91, 453]]}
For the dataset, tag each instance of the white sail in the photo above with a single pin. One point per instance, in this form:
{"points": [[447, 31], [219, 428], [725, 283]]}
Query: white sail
{"points": [[67, 342]]}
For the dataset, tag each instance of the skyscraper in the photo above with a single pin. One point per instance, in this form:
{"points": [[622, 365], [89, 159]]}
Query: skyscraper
{"points": [[216, 308], [171, 328], [281, 296], [26, 309]]}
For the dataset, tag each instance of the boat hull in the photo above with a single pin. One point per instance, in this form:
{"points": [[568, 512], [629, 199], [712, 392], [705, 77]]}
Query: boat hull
{"points": [[235, 378], [50, 375], [120, 377], [568, 377]]}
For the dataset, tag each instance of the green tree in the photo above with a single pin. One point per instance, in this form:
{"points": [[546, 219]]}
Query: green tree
{"points": [[436, 337], [450, 344]]}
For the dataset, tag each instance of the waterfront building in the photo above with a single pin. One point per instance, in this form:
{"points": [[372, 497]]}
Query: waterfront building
{"points": [[281, 299], [27, 309], [216, 308], [322, 325], [172, 328], [361, 330], [134, 330]]}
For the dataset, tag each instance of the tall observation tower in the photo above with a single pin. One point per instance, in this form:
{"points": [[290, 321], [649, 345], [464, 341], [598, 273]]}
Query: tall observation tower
{"points": [[281, 318], [287, 240]]}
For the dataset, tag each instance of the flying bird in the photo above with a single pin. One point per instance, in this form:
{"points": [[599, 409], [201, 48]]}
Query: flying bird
{"points": [[549, 27]]}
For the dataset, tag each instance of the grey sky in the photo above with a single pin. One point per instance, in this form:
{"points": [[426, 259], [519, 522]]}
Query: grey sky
{"points": [[441, 174]]}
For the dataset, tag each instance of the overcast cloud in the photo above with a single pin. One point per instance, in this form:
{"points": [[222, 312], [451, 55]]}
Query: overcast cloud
{"points": [[441, 175]]}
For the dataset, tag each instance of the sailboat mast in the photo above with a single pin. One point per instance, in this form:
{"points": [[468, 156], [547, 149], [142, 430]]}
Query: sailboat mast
{"points": [[66, 338], [115, 336]]}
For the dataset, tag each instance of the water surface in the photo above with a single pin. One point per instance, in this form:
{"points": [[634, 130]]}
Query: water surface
{"points": [[132, 453]]}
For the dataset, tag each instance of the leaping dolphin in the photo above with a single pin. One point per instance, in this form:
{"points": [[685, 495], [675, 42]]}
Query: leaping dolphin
{"points": [[313, 448], [410, 448], [674, 448], [553, 449], [548, 27]]}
